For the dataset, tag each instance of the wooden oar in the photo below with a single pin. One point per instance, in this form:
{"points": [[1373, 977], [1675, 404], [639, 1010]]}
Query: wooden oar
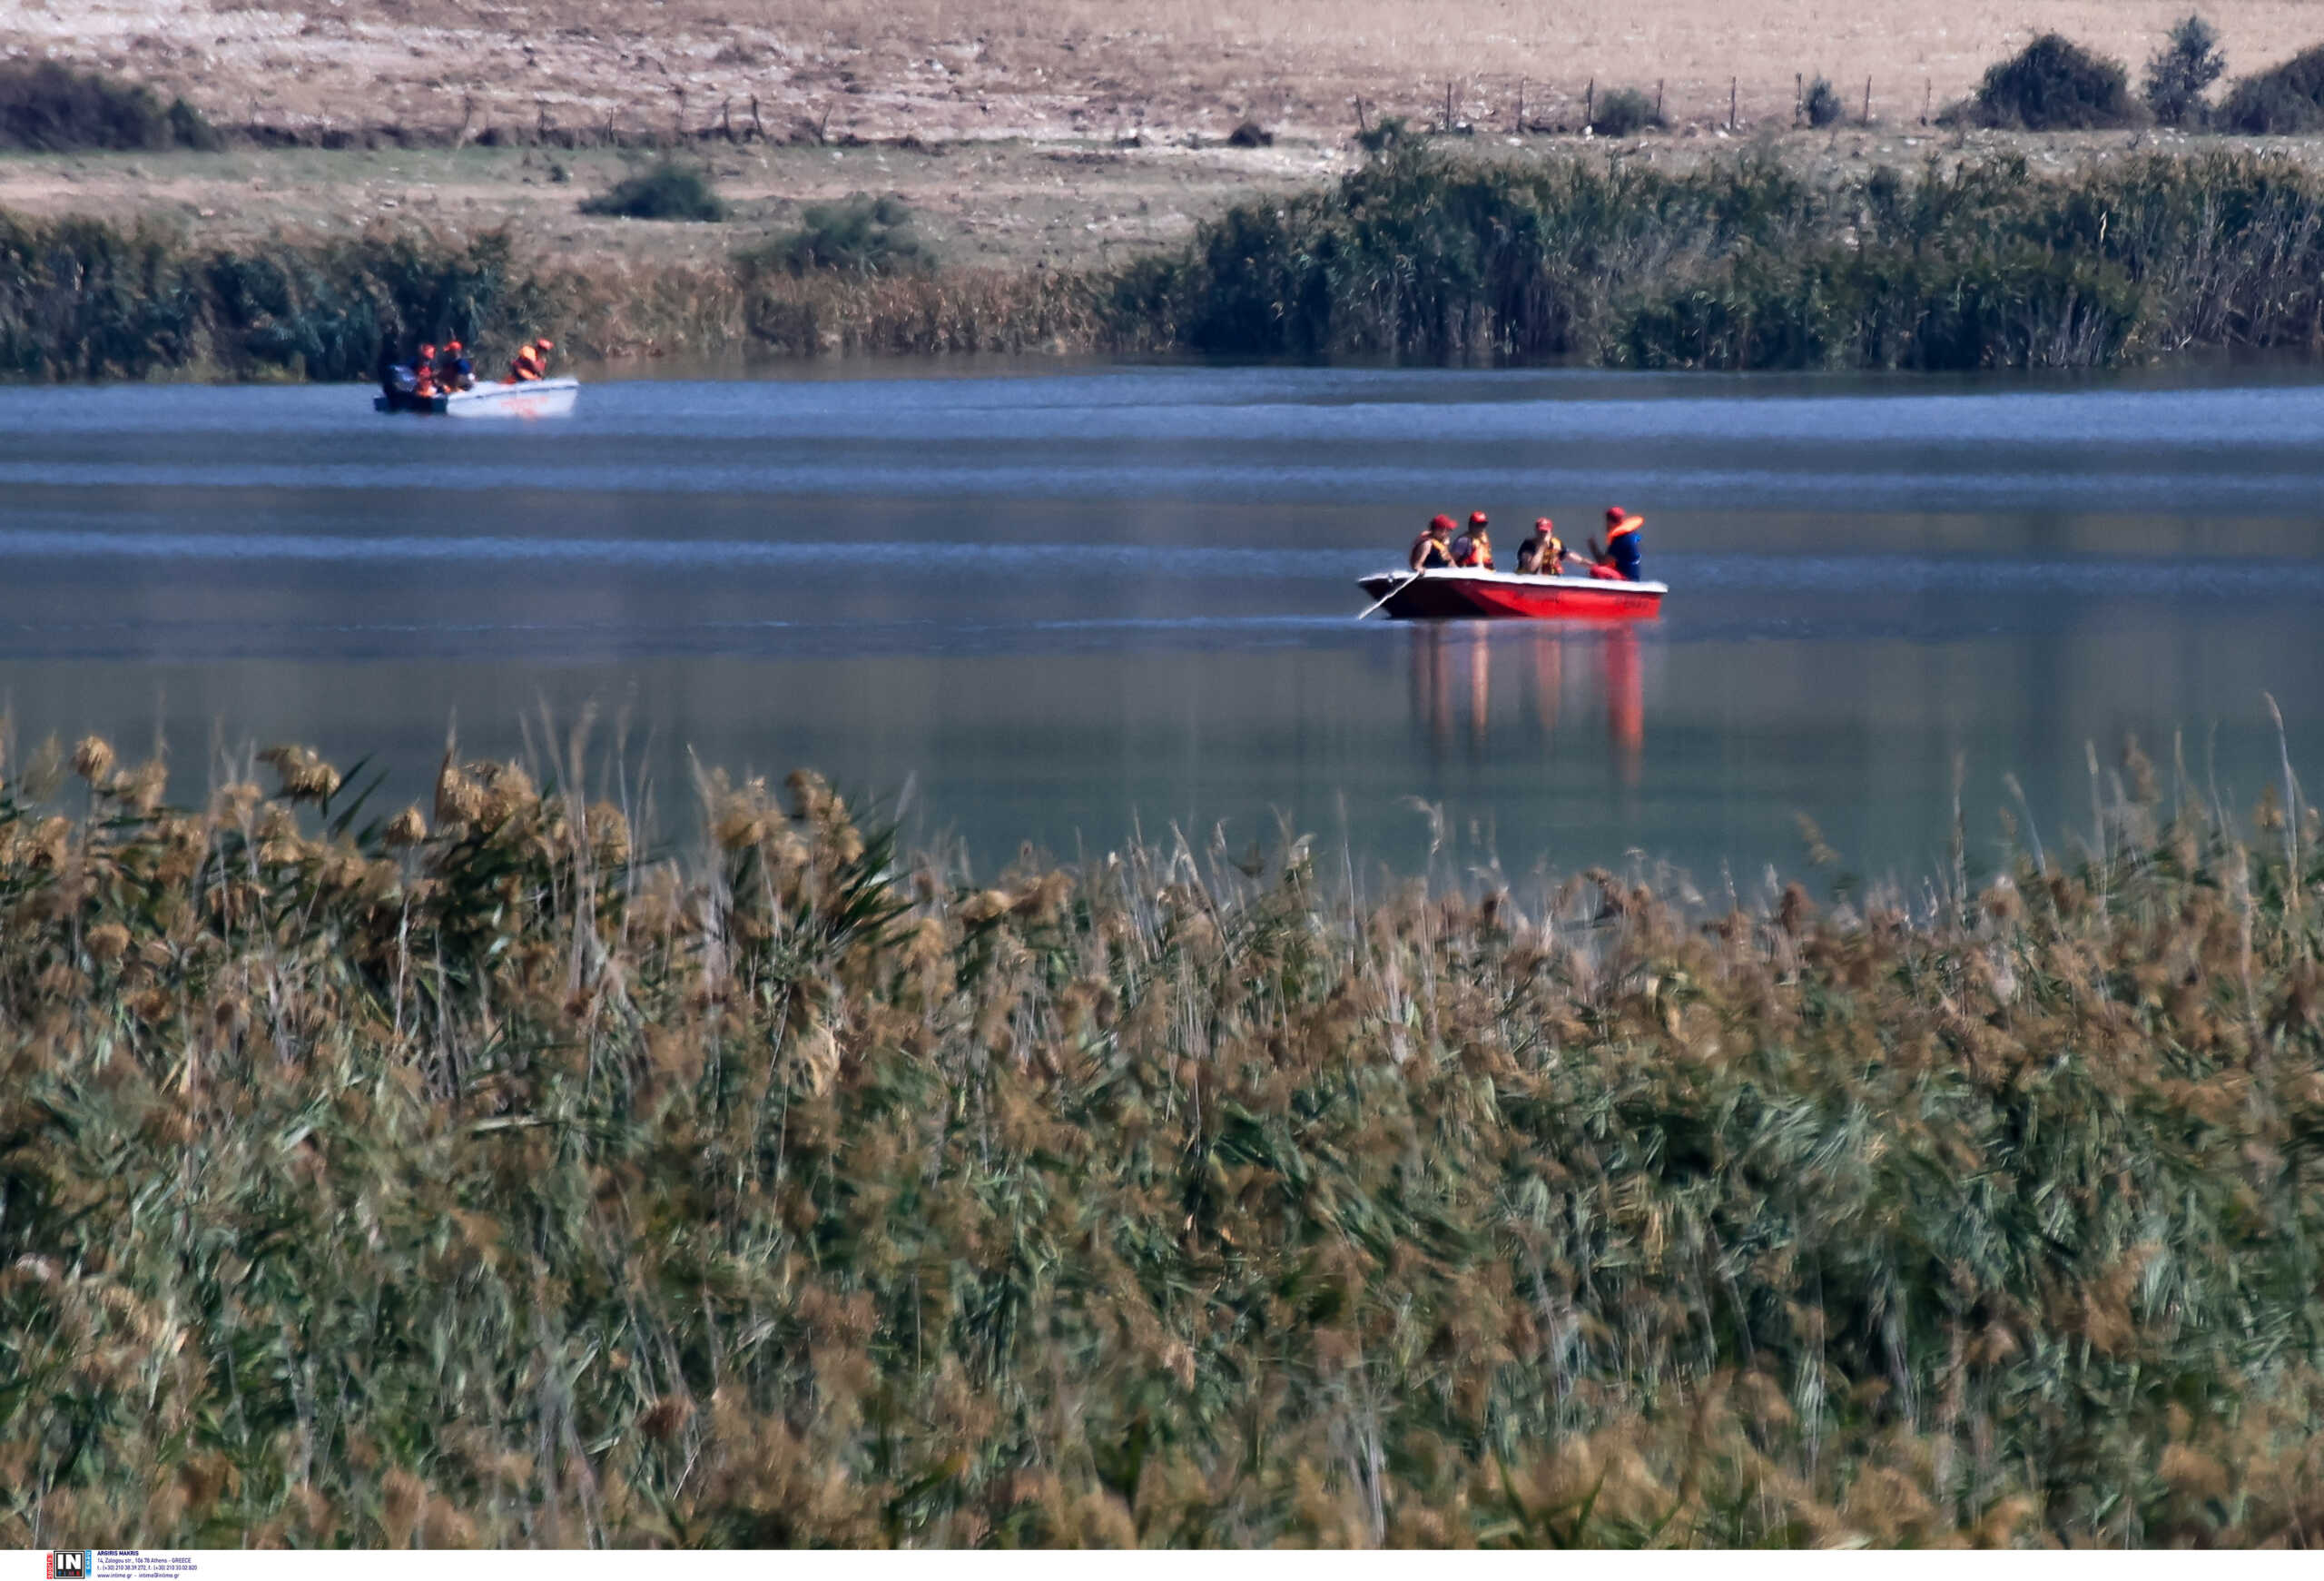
{"points": [[1391, 592]]}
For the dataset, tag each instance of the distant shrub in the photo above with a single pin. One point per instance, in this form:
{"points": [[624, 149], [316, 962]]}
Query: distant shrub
{"points": [[1624, 112], [2178, 72], [1822, 105], [1250, 135], [48, 108], [2285, 98], [1383, 135], [861, 235], [2053, 84], [669, 191]]}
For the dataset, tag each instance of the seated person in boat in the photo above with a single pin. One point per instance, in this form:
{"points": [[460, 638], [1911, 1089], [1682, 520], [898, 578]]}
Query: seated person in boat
{"points": [[1543, 554], [1430, 552], [423, 374], [453, 369], [531, 361], [1473, 548], [1620, 561]]}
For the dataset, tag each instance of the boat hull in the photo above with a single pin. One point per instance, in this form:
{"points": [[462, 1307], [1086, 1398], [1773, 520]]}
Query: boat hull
{"points": [[1473, 595], [539, 398]]}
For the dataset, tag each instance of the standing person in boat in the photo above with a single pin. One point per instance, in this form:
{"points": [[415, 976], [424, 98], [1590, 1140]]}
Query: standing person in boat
{"points": [[1430, 550], [1473, 548], [1619, 559], [1543, 554]]}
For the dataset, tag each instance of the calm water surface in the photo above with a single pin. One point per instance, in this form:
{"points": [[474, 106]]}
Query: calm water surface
{"points": [[1057, 605]]}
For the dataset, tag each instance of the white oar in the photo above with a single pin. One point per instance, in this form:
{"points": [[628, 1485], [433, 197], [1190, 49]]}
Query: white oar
{"points": [[1391, 592]]}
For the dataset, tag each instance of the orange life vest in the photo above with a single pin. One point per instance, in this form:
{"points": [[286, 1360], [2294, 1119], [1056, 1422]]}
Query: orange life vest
{"points": [[525, 367]]}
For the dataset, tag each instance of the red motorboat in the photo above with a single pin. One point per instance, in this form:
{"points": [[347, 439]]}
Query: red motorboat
{"points": [[1467, 594]]}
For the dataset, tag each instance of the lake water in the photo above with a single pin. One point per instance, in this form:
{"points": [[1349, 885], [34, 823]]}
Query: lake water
{"points": [[1057, 603]]}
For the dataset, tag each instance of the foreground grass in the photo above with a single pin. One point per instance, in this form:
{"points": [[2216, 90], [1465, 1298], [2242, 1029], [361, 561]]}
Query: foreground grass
{"points": [[480, 1177]]}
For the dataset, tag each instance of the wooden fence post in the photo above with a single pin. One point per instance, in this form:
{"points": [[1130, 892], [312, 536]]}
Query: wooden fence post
{"points": [[1590, 105], [1520, 127], [1867, 101], [1730, 102]]}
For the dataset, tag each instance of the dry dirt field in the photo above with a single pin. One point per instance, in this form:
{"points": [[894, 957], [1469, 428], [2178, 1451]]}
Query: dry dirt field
{"points": [[1048, 131], [1003, 204], [1043, 69], [1008, 205]]}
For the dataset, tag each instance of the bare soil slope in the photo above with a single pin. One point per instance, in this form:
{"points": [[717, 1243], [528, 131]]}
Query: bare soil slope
{"points": [[1041, 68]]}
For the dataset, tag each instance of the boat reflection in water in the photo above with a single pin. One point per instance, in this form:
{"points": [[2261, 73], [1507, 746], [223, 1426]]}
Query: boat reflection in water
{"points": [[1452, 684]]}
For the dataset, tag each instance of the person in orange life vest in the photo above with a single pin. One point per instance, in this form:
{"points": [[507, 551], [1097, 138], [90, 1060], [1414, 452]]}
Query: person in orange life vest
{"points": [[423, 372], [1474, 547], [453, 369], [1543, 554], [1428, 549], [1618, 561], [531, 362]]}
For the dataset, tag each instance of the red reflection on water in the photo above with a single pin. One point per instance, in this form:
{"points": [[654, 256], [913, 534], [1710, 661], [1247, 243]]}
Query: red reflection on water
{"points": [[1452, 684], [1479, 655], [1548, 648], [1625, 701], [1433, 684]]}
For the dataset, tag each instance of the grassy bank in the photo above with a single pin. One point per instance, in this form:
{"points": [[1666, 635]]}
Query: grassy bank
{"points": [[489, 1175], [1742, 262]]}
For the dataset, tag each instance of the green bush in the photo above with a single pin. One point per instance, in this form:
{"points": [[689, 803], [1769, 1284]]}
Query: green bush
{"points": [[859, 235], [1384, 133], [1741, 264], [2053, 84], [2281, 99], [47, 108], [1624, 112], [671, 189], [80, 299], [2180, 73], [1822, 105]]}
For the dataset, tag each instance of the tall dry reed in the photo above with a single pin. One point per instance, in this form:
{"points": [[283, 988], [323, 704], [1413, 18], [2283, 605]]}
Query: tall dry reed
{"points": [[492, 1174]]}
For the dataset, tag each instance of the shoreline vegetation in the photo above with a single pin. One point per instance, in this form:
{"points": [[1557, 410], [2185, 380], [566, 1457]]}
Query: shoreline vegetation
{"points": [[1423, 254], [502, 1172]]}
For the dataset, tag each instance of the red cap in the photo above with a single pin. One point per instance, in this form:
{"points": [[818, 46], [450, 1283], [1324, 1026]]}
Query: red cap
{"points": [[451, 345], [1476, 518], [1615, 513], [546, 344], [1544, 524], [427, 345], [1442, 523]]}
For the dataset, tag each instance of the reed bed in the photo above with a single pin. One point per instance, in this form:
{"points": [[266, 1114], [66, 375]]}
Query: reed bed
{"points": [[497, 1173], [1424, 254]]}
